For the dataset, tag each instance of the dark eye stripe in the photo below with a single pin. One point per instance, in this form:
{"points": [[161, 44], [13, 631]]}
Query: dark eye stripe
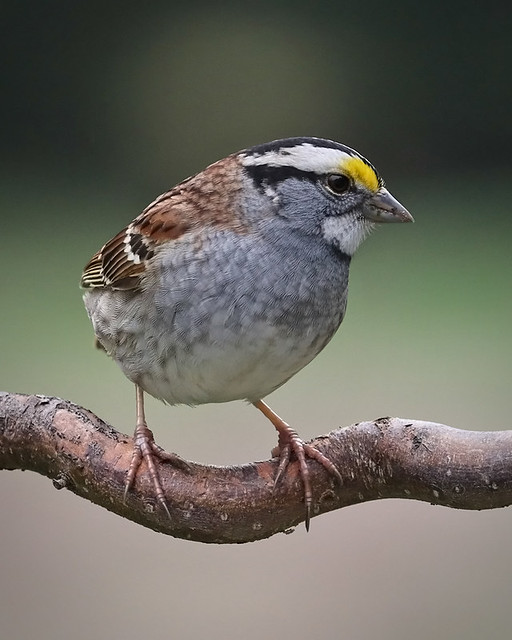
{"points": [[264, 174]]}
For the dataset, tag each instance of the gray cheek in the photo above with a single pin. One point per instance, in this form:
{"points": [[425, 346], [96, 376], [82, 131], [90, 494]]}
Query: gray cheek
{"points": [[258, 203]]}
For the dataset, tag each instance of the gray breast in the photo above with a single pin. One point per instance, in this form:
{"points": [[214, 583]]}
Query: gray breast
{"points": [[233, 319]]}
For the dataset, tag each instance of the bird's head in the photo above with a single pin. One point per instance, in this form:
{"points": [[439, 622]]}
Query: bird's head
{"points": [[323, 187]]}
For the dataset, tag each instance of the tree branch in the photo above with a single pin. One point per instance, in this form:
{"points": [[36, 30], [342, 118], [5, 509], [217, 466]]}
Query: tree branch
{"points": [[384, 458]]}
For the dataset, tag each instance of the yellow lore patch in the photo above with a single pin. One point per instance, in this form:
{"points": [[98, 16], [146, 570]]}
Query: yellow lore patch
{"points": [[360, 172]]}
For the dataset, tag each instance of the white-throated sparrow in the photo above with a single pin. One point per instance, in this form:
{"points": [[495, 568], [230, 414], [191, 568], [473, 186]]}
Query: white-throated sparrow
{"points": [[229, 284]]}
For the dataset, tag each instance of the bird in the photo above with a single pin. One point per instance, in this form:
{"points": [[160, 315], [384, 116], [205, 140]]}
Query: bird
{"points": [[227, 285]]}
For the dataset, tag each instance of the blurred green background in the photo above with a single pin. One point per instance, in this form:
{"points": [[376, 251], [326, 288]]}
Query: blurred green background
{"points": [[104, 106]]}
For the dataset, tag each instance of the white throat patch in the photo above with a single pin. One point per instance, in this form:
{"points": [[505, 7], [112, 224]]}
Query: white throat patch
{"points": [[346, 232]]}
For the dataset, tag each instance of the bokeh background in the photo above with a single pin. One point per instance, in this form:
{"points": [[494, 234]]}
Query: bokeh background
{"points": [[104, 106]]}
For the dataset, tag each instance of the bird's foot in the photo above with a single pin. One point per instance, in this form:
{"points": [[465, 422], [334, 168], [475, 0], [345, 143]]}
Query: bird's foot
{"points": [[291, 445], [145, 448]]}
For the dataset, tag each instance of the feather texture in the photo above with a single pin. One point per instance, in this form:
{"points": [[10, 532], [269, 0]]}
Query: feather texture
{"points": [[211, 198]]}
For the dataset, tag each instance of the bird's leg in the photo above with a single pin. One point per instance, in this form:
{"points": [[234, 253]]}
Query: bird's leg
{"points": [[289, 443], [145, 448]]}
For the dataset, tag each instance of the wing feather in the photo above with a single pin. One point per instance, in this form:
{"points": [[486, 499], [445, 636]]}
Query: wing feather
{"points": [[211, 198]]}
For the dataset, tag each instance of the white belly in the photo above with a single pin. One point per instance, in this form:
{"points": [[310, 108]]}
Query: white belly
{"points": [[226, 370]]}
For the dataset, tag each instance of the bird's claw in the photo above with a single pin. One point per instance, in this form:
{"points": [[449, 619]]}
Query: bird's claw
{"points": [[145, 448], [290, 443]]}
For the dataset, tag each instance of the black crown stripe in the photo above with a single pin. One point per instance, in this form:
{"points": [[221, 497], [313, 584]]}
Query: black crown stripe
{"points": [[277, 145]]}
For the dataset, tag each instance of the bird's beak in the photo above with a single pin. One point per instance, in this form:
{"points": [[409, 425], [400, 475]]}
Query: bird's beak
{"points": [[382, 207]]}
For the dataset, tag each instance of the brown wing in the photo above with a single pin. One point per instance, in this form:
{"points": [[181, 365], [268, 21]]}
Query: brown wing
{"points": [[120, 263], [212, 197], [114, 267]]}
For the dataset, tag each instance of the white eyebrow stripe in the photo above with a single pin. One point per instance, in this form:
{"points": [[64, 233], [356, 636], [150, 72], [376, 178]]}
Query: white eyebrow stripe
{"points": [[305, 157]]}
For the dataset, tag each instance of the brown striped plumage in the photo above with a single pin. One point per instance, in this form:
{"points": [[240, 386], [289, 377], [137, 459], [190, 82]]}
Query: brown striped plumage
{"points": [[209, 198]]}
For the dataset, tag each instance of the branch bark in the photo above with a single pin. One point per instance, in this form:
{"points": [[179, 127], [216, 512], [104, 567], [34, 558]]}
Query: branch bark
{"points": [[384, 458]]}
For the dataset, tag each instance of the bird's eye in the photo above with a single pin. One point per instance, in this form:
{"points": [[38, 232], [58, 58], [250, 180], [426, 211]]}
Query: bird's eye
{"points": [[337, 183]]}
